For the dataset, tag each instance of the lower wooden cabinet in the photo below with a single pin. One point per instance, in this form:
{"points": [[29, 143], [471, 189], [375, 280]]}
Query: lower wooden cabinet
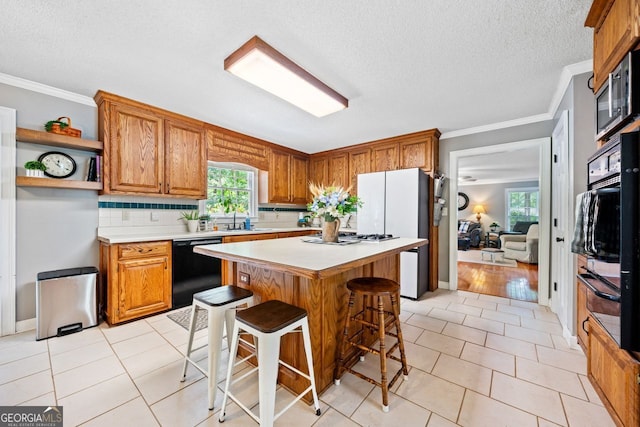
{"points": [[582, 317], [137, 278], [615, 375]]}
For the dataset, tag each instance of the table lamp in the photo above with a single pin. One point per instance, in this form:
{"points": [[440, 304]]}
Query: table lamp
{"points": [[478, 209]]}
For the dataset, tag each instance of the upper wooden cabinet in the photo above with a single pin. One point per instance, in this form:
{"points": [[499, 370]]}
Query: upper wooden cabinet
{"points": [[339, 169], [319, 170], [288, 178], [616, 25], [150, 151], [384, 157], [359, 162], [185, 154]]}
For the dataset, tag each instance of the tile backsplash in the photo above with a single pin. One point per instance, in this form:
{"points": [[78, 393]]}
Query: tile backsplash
{"points": [[131, 211]]}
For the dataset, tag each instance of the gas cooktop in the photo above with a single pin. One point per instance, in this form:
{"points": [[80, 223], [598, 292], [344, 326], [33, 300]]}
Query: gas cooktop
{"points": [[373, 237]]}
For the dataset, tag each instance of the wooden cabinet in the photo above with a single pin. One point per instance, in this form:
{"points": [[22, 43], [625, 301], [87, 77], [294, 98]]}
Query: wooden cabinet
{"points": [[421, 152], [339, 169], [359, 162], [615, 375], [185, 154], [58, 141], [136, 278], [616, 31], [319, 170], [288, 178], [582, 316], [384, 157], [150, 151]]}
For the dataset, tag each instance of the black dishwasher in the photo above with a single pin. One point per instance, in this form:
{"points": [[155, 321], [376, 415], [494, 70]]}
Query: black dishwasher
{"points": [[193, 272]]}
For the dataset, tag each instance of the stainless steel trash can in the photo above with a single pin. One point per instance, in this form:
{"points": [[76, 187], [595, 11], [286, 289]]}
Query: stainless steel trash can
{"points": [[65, 301]]}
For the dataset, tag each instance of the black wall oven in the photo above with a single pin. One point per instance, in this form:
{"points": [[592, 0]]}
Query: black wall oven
{"points": [[608, 233], [193, 272]]}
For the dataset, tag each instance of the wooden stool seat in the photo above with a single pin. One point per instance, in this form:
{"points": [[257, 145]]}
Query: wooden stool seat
{"points": [[373, 286], [270, 316], [378, 321]]}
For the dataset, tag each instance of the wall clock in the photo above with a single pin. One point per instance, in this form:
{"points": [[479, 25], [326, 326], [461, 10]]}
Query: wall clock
{"points": [[463, 201], [59, 165]]}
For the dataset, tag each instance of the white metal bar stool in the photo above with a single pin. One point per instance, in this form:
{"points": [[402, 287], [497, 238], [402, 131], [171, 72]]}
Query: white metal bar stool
{"points": [[268, 322], [220, 304]]}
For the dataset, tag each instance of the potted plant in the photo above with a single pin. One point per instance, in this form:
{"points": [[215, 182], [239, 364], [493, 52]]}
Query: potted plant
{"points": [[192, 220], [35, 168], [494, 226]]}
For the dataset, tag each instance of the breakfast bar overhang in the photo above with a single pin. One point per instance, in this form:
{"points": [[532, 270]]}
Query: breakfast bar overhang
{"points": [[313, 277]]}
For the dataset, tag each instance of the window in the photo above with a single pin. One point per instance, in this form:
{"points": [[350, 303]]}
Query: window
{"points": [[522, 205], [231, 188]]}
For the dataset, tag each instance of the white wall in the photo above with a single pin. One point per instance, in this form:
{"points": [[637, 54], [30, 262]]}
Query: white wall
{"points": [[55, 228]]}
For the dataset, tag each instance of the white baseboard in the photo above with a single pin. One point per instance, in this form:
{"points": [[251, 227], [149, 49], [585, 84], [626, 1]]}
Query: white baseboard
{"points": [[25, 325], [443, 285], [572, 340]]}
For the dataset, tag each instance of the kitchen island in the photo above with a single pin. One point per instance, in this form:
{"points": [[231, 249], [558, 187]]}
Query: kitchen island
{"points": [[311, 276]]}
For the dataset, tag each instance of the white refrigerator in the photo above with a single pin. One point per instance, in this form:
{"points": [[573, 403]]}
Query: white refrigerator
{"points": [[397, 203]]}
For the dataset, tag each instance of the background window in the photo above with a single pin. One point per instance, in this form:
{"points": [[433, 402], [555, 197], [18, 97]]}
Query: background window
{"points": [[231, 188], [522, 205]]}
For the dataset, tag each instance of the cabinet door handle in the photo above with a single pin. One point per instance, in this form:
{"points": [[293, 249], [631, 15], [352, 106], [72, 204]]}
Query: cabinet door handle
{"points": [[583, 322], [159, 187]]}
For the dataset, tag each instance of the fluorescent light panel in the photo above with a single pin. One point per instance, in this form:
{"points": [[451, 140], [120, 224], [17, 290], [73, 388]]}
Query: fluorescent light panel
{"points": [[262, 65]]}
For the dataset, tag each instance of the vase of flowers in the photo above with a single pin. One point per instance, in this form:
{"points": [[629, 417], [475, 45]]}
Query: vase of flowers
{"points": [[330, 203]]}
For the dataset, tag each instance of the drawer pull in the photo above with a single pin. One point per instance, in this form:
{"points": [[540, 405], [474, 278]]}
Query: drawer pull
{"points": [[583, 322], [144, 251]]}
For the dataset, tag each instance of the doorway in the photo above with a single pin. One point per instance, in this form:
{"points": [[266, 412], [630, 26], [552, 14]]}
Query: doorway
{"points": [[542, 148]]}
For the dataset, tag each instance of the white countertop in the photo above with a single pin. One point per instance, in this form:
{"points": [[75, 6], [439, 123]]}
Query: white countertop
{"points": [[142, 234], [307, 259], [150, 236]]}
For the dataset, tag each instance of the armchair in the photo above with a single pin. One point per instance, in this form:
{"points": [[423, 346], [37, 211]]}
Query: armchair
{"points": [[469, 230], [521, 247]]}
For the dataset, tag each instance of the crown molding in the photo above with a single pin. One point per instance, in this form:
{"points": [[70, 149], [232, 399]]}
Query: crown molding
{"points": [[46, 90], [568, 72], [496, 126]]}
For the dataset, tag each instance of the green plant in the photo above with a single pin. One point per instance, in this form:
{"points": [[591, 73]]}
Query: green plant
{"points": [[205, 217], [494, 225], [189, 216], [49, 125], [35, 165]]}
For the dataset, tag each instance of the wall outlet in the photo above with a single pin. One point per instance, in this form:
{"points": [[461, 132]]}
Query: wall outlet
{"points": [[245, 278], [155, 216]]}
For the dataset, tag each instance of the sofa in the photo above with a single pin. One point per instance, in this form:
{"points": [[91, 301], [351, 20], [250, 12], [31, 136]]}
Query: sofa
{"points": [[521, 247], [469, 234], [520, 227]]}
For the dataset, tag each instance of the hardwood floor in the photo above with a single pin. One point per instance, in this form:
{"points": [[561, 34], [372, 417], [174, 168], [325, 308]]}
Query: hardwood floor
{"points": [[519, 283]]}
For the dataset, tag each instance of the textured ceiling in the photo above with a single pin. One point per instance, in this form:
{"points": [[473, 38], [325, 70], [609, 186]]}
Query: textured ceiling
{"points": [[506, 166], [404, 65]]}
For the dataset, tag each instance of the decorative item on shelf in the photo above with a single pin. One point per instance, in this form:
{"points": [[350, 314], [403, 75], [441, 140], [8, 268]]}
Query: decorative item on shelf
{"points": [[62, 128], [494, 226], [58, 165], [192, 219], [478, 209], [35, 168], [330, 203]]}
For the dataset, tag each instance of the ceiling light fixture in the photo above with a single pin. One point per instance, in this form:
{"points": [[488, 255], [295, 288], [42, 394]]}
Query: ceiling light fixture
{"points": [[262, 65]]}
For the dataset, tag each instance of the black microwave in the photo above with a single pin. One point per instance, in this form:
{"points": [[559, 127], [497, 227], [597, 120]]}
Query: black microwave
{"points": [[618, 100]]}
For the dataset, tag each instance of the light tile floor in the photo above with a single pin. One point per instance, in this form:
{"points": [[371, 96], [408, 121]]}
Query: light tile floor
{"points": [[475, 360]]}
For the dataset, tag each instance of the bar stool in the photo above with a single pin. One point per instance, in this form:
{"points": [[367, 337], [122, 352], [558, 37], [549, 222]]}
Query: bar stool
{"points": [[369, 287], [268, 322], [220, 304]]}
